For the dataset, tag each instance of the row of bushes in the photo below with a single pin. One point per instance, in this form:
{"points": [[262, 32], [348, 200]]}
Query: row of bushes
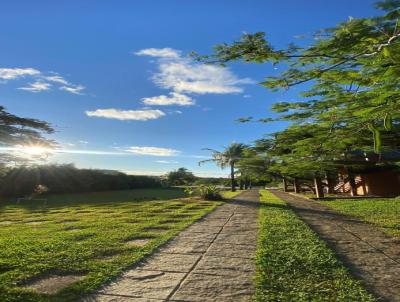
{"points": [[24, 181]]}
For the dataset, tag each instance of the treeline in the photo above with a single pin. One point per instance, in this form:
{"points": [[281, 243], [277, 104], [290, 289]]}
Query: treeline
{"points": [[25, 181]]}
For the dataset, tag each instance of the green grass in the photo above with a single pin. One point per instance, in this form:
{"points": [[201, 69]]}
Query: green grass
{"points": [[111, 196], [293, 264], [230, 194], [383, 212], [85, 234]]}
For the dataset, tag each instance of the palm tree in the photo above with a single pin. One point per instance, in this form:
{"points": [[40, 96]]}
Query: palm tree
{"points": [[229, 157]]}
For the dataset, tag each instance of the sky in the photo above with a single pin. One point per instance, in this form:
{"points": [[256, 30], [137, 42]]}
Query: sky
{"points": [[115, 81]]}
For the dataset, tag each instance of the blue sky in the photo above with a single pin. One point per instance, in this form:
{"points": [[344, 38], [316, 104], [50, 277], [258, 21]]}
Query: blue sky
{"points": [[114, 79]]}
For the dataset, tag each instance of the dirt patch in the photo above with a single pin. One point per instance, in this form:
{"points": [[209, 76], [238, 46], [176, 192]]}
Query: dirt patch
{"points": [[138, 241], [107, 258], [34, 222], [52, 284]]}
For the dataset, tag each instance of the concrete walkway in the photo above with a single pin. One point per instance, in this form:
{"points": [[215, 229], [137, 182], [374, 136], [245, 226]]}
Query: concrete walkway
{"points": [[371, 255], [212, 260]]}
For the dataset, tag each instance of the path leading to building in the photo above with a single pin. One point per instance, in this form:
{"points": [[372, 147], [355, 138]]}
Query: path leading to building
{"points": [[371, 255], [212, 260]]}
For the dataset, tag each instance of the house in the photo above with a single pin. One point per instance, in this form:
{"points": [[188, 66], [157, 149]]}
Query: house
{"points": [[369, 174]]}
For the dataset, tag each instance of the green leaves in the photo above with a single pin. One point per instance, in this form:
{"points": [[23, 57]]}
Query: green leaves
{"points": [[377, 138], [388, 122], [352, 72]]}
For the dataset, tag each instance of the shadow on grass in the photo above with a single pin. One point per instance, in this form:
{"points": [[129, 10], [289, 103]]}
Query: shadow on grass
{"points": [[102, 198]]}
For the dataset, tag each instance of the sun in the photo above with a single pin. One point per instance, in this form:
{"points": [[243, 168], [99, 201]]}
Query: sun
{"points": [[34, 150]]}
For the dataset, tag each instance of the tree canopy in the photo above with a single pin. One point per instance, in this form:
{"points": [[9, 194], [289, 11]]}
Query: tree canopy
{"points": [[350, 77], [229, 157], [20, 131], [180, 177]]}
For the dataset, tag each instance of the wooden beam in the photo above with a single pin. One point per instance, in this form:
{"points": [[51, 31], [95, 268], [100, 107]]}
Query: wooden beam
{"points": [[318, 187], [296, 185], [285, 185]]}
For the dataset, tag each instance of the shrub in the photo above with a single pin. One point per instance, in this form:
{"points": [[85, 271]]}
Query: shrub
{"points": [[54, 179], [209, 192]]}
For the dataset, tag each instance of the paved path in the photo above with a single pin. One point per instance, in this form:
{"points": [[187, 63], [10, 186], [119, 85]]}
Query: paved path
{"points": [[212, 260], [371, 255]]}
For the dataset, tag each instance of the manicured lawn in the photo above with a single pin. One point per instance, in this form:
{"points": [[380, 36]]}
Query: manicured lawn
{"points": [[230, 194], [383, 212], [112, 196], [91, 235], [293, 264]]}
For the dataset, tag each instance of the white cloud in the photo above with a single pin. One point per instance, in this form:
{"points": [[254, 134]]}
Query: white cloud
{"points": [[153, 151], [57, 79], [43, 81], [36, 87], [174, 98], [159, 52], [73, 89], [166, 162], [136, 115], [14, 73], [183, 75]]}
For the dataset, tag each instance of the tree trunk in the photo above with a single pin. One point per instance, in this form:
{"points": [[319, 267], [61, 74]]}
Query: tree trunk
{"points": [[241, 184], [330, 181], [233, 187], [285, 185], [296, 185], [352, 183], [318, 187]]}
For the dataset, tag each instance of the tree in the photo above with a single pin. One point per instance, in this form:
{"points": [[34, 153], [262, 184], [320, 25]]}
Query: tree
{"points": [[180, 177], [351, 102], [229, 157], [253, 167], [353, 70], [23, 180], [19, 131]]}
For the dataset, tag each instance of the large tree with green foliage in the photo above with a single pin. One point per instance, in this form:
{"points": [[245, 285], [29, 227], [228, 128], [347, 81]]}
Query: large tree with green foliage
{"points": [[351, 100], [353, 70], [227, 158], [180, 177], [21, 131]]}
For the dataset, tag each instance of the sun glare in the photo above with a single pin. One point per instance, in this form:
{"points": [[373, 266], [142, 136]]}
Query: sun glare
{"points": [[33, 151], [36, 150]]}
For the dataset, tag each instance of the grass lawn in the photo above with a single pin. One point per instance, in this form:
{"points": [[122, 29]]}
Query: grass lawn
{"points": [[230, 194], [293, 264], [383, 212], [91, 235]]}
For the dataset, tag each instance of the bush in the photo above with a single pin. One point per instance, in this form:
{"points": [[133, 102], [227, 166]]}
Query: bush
{"points": [[24, 181], [209, 192]]}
